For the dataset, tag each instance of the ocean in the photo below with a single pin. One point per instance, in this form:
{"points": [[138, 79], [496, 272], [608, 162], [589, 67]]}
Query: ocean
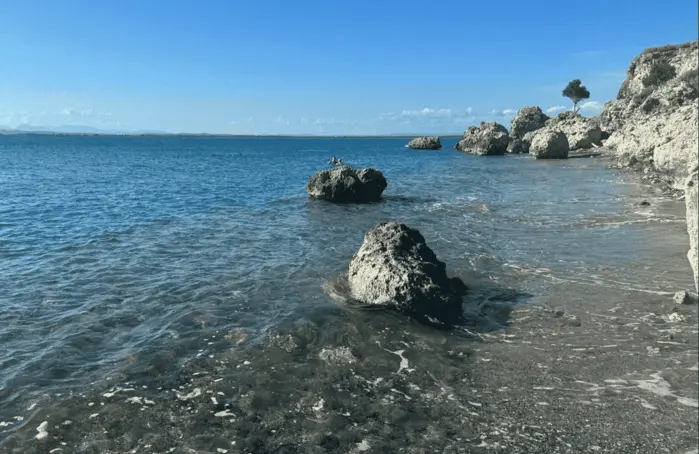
{"points": [[171, 294]]}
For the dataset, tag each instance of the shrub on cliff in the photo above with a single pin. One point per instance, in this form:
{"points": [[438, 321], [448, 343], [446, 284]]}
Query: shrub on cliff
{"points": [[660, 72], [691, 77], [576, 92]]}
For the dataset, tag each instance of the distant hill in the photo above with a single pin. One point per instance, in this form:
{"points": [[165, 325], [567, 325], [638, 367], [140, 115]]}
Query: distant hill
{"points": [[72, 129]]}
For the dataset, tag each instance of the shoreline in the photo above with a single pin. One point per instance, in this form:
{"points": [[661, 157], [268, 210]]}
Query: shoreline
{"points": [[555, 380]]}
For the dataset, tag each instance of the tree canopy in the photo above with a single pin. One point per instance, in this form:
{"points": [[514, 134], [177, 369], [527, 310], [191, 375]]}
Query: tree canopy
{"points": [[576, 91]]}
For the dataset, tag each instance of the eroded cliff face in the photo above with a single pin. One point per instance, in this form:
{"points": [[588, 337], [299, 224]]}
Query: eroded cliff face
{"points": [[654, 123]]}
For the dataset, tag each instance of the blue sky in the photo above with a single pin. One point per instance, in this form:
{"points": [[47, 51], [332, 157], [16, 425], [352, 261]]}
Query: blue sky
{"points": [[316, 66]]}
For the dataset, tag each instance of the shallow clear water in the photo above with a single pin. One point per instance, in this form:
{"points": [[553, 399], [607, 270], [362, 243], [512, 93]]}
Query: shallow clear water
{"points": [[122, 254]]}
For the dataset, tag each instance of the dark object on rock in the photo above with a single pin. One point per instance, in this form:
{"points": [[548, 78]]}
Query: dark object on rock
{"points": [[487, 139], [684, 297], [644, 203], [527, 120], [347, 185], [425, 143], [395, 268], [549, 144]]}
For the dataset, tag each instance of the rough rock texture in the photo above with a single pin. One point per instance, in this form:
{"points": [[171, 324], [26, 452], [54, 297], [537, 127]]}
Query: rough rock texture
{"points": [[528, 119], [487, 139], [394, 267], [549, 144], [344, 184], [518, 146], [692, 204], [582, 132], [425, 143], [656, 125], [653, 124]]}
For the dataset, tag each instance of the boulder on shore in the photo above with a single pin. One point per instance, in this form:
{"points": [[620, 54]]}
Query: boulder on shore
{"points": [[487, 139], [528, 119], [425, 143], [395, 268], [518, 146], [582, 132], [549, 144], [343, 184]]}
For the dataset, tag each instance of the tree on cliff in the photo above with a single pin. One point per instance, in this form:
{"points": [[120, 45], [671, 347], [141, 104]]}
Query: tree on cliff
{"points": [[576, 91]]}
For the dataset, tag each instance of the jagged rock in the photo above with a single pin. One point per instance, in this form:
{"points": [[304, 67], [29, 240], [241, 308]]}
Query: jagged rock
{"points": [[684, 297], [691, 200], [344, 184], [425, 143], [657, 122], [549, 144], [394, 267], [518, 146], [582, 132], [487, 139], [528, 119]]}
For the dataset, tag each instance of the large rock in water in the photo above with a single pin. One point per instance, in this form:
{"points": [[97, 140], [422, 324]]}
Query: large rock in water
{"points": [[394, 267], [487, 139], [425, 143], [549, 144], [344, 184], [692, 204], [582, 132], [528, 119]]}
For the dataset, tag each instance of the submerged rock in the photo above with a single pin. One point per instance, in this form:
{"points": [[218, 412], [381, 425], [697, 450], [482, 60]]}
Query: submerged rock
{"points": [[487, 139], [528, 119], [395, 268], [684, 297], [549, 144], [347, 185], [425, 143]]}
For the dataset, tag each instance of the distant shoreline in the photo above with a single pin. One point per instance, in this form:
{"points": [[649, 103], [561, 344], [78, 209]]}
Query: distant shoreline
{"points": [[221, 136]]}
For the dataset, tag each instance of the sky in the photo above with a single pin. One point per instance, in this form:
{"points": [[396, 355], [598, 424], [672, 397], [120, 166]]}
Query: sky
{"points": [[330, 67]]}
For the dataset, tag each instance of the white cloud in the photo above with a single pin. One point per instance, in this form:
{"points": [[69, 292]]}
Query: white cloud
{"points": [[325, 121], [70, 112], [427, 113], [283, 121], [556, 109], [591, 106], [503, 113]]}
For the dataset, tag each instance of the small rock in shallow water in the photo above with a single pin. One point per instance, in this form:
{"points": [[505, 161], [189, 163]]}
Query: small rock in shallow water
{"points": [[684, 297]]}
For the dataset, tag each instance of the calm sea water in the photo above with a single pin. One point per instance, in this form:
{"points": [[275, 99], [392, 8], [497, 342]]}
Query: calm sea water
{"points": [[113, 250]]}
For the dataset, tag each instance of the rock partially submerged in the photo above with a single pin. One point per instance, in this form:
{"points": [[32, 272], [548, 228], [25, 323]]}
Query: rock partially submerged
{"points": [[344, 184], [487, 139], [549, 144], [395, 268], [425, 143], [528, 119]]}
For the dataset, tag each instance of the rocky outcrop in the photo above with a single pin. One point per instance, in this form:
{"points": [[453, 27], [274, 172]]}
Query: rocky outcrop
{"points": [[528, 119], [548, 144], [344, 184], [425, 143], [582, 132], [653, 123], [489, 138], [692, 204], [518, 146], [395, 268]]}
